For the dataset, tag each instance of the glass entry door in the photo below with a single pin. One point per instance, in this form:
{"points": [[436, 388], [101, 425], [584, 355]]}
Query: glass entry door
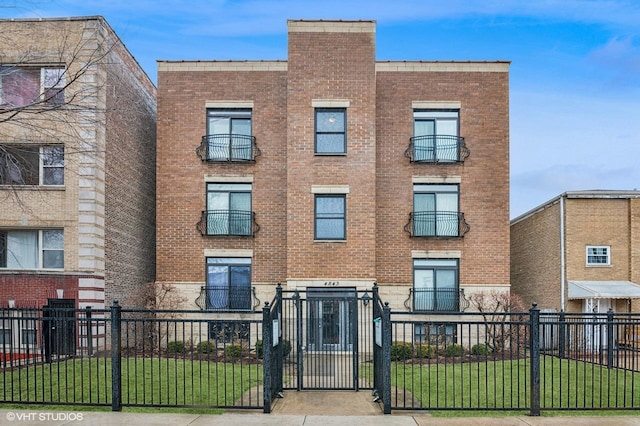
{"points": [[331, 319]]}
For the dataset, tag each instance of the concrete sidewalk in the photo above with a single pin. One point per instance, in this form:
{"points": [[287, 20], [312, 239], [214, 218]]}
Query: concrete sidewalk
{"points": [[26, 417], [308, 408]]}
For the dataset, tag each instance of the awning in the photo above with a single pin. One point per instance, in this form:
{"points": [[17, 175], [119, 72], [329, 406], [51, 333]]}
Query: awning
{"points": [[603, 290]]}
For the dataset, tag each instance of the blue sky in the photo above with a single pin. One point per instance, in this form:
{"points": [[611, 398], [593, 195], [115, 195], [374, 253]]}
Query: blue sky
{"points": [[575, 73]]}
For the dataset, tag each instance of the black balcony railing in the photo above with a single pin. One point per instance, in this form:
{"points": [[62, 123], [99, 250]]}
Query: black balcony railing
{"points": [[228, 148], [436, 300], [228, 222], [437, 224], [225, 298], [437, 149]]}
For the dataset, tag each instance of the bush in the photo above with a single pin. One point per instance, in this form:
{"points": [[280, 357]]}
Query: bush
{"points": [[401, 351], [454, 350], [205, 347], [481, 349], [233, 351], [286, 348], [176, 347], [425, 351]]}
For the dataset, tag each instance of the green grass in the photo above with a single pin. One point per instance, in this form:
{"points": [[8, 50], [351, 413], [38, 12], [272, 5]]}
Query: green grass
{"points": [[505, 385], [159, 381]]}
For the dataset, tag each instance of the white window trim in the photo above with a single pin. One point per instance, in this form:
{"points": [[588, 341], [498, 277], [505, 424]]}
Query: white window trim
{"points": [[228, 104], [330, 189], [330, 103], [228, 178], [597, 264], [436, 105], [436, 179]]}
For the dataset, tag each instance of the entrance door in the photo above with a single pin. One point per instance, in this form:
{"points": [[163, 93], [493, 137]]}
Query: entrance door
{"points": [[331, 338]]}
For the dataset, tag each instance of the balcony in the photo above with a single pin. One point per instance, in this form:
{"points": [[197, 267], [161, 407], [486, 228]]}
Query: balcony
{"points": [[224, 298], [436, 300], [437, 149], [437, 224], [228, 223], [228, 148]]}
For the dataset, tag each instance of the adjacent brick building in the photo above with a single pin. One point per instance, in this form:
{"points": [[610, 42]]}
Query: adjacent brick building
{"points": [[77, 173], [333, 170], [579, 252]]}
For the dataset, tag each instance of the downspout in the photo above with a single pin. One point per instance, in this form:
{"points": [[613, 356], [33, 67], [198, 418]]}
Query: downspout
{"points": [[562, 259]]}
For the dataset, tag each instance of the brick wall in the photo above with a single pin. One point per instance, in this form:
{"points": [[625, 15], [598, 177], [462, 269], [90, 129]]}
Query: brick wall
{"points": [[484, 176], [535, 258], [181, 198], [331, 64]]}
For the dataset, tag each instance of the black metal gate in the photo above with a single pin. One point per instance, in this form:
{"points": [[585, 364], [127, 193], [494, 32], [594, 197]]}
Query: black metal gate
{"points": [[329, 331], [59, 328]]}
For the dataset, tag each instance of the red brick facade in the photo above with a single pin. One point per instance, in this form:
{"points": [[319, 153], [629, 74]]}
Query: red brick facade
{"points": [[333, 64]]}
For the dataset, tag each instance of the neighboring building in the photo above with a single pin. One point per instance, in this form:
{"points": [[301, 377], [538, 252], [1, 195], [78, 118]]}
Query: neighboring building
{"points": [[77, 169], [579, 252], [330, 172]]}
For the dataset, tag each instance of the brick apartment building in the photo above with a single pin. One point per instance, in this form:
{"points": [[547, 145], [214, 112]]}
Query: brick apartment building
{"points": [[579, 252], [332, 171], [77, 163]]}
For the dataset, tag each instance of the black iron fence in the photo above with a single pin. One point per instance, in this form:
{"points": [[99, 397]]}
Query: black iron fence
{"points": [[510, 361], [513, 361]]}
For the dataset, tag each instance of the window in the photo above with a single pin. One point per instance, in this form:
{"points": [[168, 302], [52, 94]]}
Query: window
{"points": [[435, 210], [435, 334], [228, 283], [229, 135], [435, 136], [229, 209], [23, 86], [18, 329], [32, 249], [331, 131], [435, 285], [330, 217], [31, 165], [598, 256]]}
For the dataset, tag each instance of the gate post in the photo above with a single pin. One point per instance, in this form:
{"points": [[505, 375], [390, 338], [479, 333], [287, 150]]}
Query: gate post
{"points": [[299, 350], [610, 339], [116, 366], [267, 353], [386, 359], [534, 350], [562, 334]]}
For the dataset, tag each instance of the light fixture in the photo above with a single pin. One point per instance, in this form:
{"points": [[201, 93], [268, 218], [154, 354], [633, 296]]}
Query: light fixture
{"points": [[60, 293], [12, 303]]}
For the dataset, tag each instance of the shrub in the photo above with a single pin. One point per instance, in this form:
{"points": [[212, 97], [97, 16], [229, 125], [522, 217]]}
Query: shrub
{"points": [[233, 351], [286, 348], [425, 351], [401, 351], [481, 349], [205, 347], [454, 350], [176, 347]]}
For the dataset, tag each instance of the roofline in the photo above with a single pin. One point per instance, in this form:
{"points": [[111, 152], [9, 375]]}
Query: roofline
{"points": [[100, 18], [380, 66], [586, 194]]}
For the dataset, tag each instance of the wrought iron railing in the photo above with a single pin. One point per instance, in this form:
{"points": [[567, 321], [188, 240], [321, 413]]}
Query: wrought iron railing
{"points": [[436, 300], [228, 222], [437, 224], [225, 298], [228, 148], [437, 149]]}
